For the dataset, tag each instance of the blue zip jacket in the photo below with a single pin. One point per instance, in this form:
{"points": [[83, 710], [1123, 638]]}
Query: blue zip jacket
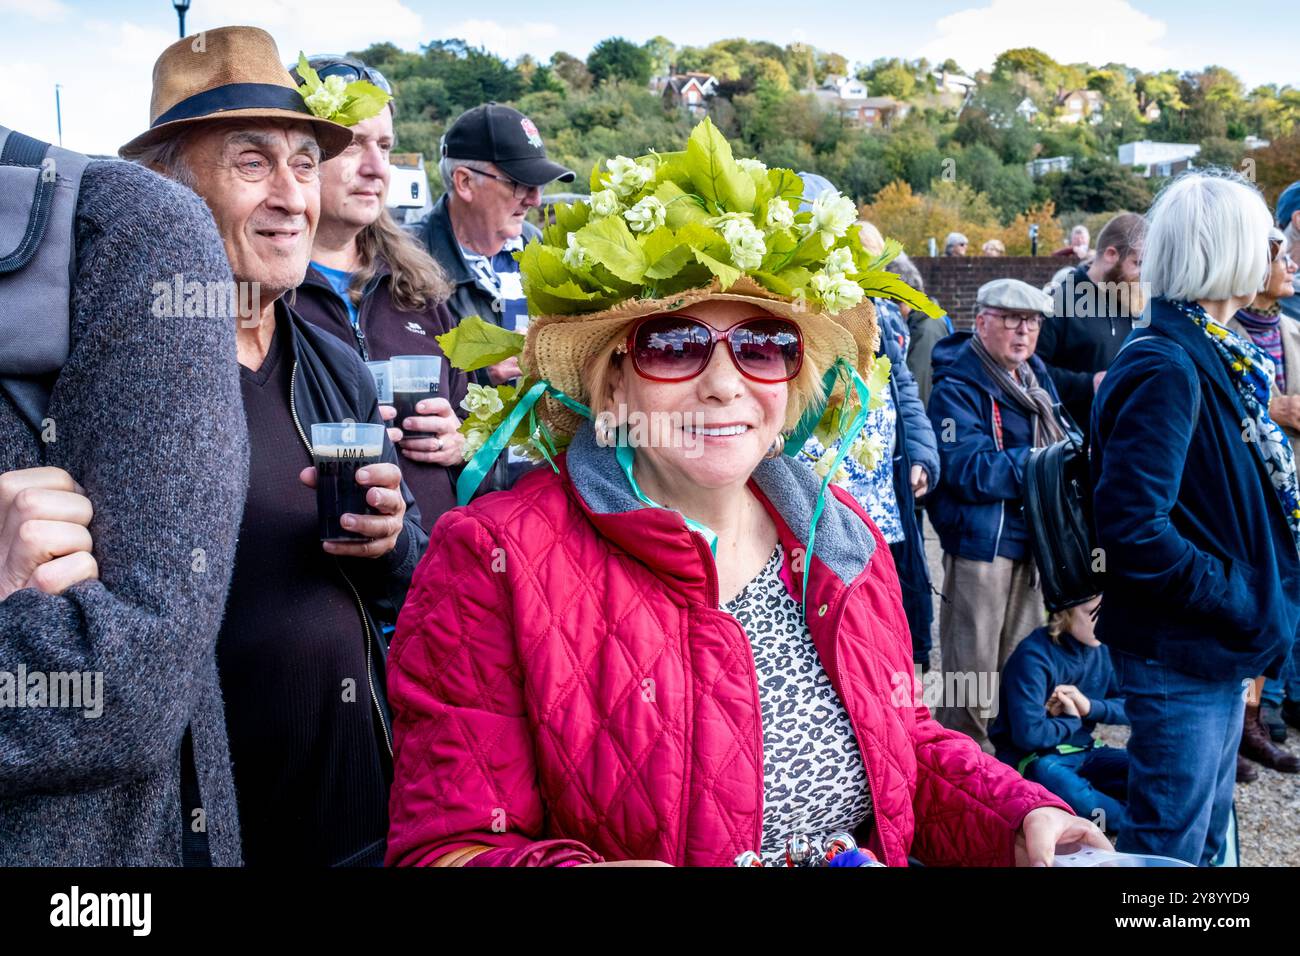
{"points": [[1037, 665], [1201, 569], [976, 509], [914, 426]]}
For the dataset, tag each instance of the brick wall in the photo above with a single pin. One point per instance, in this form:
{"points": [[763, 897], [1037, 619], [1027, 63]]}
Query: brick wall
{"points": [[952, 281]]}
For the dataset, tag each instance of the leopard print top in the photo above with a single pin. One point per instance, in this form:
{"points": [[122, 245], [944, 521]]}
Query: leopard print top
{"points": [[814, 780]]}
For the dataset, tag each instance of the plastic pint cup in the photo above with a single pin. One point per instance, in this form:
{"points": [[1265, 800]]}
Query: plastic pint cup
{"points": [[340, 450], [382, 373], [415, 377]]}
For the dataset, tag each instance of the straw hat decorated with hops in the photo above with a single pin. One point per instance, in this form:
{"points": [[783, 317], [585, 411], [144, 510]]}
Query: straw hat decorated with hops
{"points": [[666, 231]]}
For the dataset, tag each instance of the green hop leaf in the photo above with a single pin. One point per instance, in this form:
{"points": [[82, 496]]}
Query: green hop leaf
{"points": [[475, 344], [714, 172]]}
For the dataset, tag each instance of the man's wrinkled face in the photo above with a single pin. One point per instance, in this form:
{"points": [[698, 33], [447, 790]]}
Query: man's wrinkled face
{"points": [[262, 183], [496, 201], [354, 183], [1010, 347]]}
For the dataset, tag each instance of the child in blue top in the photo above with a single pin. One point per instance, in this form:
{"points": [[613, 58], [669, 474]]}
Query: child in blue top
{"points": [[1056, 687]]}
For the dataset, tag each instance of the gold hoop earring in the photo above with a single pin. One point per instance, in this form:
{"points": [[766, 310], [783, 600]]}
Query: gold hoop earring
{"points": [[777, 446]]}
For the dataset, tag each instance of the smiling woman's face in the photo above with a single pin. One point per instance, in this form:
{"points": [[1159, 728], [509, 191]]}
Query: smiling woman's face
{"points": [[741, 417]]}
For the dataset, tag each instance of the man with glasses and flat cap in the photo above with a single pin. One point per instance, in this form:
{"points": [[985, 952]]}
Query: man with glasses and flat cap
{"points": [[992, 403]]}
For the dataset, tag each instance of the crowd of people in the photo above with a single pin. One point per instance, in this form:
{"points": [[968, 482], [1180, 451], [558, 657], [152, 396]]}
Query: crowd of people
{"points": [[633, 655]]}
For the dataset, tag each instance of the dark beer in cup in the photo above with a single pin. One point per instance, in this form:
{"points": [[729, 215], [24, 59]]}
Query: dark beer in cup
{"points": [[415, 378], [339, 451]]}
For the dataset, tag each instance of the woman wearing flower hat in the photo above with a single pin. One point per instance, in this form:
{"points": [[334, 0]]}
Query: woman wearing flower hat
{"points": [[679, 646]]}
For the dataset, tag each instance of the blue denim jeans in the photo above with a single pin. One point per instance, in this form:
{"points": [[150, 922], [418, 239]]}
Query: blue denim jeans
{"points": [[1089, 781], [1286, 687], [1182, 759]]}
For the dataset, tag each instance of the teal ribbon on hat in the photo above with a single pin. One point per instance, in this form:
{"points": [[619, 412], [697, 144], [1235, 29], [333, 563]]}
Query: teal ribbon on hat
{"points": [[481, 463], [625, 458], [812, 415], [847, 438]]}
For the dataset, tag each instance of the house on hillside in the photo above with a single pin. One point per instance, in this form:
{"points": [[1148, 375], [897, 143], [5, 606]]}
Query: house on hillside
{"points": [[952, 82], [871, 112], [1048, 164], [1158, 159], [689, 91], [1152, 112], [1079, 105], [1026, 110], [843, 87], [847, 98]]}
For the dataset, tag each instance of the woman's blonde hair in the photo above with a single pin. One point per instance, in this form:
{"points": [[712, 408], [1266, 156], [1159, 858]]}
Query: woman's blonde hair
{"points": [[417, 281], [805, 389]]}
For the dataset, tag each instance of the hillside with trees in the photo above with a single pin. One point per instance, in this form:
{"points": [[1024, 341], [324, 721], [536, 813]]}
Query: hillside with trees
{"points": [[954, 161]]}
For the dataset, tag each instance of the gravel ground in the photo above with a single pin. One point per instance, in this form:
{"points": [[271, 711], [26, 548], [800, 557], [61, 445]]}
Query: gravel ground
{"points": [[1268, 810]]}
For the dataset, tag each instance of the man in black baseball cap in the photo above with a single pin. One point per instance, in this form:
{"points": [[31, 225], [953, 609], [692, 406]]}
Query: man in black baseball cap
{"points": [[493, 170], [498, 134]]}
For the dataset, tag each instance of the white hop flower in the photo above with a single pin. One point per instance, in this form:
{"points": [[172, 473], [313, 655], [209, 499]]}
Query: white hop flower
{"points": [[574, 257], [475, 438], [482, 402], [838, 262], [868, 449], [646, 216], [835, 292], [745, 242], [605, 203], [832, 214], [822, 467], [751, 165], [627, 177], [779, 214], [327, 99]]}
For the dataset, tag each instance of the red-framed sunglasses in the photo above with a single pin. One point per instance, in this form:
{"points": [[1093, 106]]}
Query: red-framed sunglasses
{"points": [[675, 348]]}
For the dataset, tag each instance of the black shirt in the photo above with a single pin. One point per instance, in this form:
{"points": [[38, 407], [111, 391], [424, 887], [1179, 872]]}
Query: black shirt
{"points": [[1082, 339], [309, 776]]}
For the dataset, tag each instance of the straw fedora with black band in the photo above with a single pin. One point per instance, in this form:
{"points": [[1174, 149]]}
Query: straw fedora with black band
{"points": [[227, 74]]}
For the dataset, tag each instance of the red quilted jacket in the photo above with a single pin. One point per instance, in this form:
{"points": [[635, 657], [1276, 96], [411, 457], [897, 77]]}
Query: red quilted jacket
{"points": [[565, 689]]}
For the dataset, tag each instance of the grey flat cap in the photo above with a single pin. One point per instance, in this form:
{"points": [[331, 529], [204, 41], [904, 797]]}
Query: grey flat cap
{"points": [[1014, 296]]}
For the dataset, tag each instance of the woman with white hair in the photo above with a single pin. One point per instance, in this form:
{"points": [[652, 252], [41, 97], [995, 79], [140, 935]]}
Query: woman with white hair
{"points": [[1197, 514]]}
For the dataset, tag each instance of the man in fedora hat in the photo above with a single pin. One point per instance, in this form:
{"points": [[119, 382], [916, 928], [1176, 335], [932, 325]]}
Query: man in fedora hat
{"points": [[301, 650], [992, 403]]}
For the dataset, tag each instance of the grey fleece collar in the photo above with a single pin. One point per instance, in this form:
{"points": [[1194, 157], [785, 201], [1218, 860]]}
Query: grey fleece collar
{"points": [[844, 543]]}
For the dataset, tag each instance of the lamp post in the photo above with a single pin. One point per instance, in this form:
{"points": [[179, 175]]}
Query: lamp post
{"points": [[58, 110], [181, 6]]}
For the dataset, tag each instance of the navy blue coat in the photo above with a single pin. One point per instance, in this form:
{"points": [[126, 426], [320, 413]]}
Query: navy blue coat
{"points": [[914, 427], [1201, 569], [977, 507]]}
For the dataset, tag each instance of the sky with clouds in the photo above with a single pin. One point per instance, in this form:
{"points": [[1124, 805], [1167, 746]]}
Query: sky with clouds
{"points": [[101, 52]]}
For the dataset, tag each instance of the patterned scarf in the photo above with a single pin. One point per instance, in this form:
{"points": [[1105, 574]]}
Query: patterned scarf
{"points": [[1027, 395], [1265, 328], [1251, 372]]}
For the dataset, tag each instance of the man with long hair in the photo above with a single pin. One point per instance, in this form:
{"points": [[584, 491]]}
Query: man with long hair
{"points": [[373, 285]]}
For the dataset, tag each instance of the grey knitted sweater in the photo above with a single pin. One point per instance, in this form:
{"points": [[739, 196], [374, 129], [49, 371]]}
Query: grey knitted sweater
{"points": [[149, 420]]}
